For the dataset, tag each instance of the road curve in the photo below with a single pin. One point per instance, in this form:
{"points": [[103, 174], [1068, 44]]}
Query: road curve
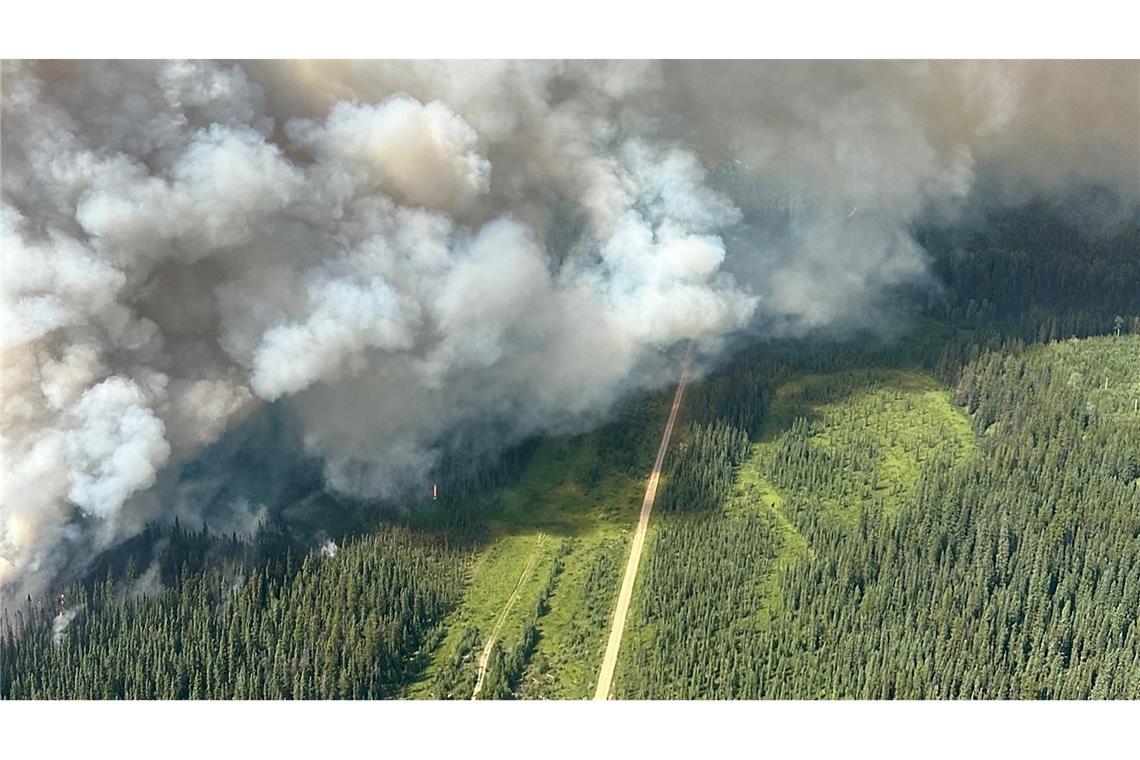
{"points": [[609, 660]]}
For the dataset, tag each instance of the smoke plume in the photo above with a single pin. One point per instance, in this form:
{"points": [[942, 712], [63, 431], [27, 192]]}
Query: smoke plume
{"points": [[396, 251]]}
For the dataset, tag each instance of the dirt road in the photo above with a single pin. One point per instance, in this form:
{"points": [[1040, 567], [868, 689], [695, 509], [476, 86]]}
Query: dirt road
{"points": [[609, 661], [485, 655]]}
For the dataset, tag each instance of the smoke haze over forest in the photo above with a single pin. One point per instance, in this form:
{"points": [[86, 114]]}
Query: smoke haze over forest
{"points": [[391, 255]]}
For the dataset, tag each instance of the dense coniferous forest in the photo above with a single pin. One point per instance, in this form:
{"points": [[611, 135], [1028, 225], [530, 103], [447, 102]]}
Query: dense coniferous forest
{"points": [[1011, 573], [1015, 266], [344, 623], [953, 512], [702, 472]]}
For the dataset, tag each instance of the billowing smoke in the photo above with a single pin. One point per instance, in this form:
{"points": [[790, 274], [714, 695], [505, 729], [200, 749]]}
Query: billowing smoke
{"points": [[394, 251]]}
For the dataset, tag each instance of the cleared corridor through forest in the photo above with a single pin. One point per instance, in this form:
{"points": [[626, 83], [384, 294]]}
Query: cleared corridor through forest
{"points": [[613, 646]]}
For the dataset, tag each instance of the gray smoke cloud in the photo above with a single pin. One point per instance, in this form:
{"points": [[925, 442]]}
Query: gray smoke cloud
{"points": [[396, 250]]}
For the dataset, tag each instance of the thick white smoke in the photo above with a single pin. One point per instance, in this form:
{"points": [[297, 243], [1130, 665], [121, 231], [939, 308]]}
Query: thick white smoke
{"points": [[397, 249]]}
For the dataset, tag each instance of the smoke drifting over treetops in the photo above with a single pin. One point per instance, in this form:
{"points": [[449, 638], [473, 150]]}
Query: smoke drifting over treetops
{"points": [[394, 251]]}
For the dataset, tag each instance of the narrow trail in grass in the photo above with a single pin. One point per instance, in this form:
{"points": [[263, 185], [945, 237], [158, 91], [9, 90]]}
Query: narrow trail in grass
{"points": [[613, 646], [485, 655]]}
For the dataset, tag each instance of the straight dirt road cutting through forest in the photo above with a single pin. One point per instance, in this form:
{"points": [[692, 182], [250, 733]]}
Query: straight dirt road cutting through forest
{"points": [[609, 661]]}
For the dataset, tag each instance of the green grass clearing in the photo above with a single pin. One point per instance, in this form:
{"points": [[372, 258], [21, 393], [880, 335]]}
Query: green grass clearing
{"points": [[582, 492]]}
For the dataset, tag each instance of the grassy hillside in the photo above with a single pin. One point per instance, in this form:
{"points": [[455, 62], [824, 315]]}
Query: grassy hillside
{"points": [[865, 436]]}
